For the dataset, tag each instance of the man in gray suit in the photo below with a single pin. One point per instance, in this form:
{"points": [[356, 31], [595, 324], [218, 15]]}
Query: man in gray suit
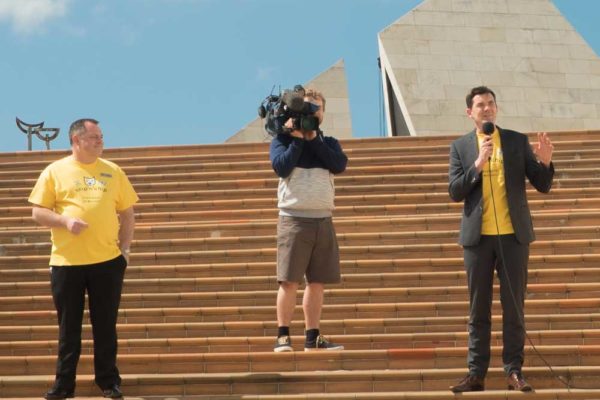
{"points": [[488, 167]]}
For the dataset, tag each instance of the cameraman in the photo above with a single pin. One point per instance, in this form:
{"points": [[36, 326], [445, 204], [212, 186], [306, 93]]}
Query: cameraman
{"points": [[305, 162]]}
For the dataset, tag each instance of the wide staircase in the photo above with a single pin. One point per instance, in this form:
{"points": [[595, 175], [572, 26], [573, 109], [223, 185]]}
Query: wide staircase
{"points": [[197, 317]]}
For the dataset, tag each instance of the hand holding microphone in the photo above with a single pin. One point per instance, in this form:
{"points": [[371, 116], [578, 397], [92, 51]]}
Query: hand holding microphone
{"points": [[487, 146]]}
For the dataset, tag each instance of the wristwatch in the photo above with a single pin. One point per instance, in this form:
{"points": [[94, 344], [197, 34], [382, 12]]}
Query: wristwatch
{"points": [[125, 252]]}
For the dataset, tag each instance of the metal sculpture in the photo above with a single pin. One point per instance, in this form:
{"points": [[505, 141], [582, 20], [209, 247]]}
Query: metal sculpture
{"points": [[37, 129]]}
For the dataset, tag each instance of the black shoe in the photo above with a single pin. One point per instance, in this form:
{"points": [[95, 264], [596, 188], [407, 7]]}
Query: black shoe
{"points": [[283, 343], [516, 382], [470, 383], [58, 393], [321, 344], [112, 392]]}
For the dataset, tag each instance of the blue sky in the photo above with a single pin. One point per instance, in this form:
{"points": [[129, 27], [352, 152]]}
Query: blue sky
{"points": [[159, 72]]}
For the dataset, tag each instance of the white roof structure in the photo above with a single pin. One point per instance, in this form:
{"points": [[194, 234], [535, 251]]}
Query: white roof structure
{"points": [[545, 76]]}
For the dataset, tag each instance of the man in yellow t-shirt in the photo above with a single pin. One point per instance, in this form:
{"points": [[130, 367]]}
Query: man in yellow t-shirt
{"points": [[88, 204], [488, 168]]}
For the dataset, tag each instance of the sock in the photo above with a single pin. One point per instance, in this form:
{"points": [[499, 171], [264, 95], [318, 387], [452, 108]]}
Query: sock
{"points": [[283, 331], [312, 335]]}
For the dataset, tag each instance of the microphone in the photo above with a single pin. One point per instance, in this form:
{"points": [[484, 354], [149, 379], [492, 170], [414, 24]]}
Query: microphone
{"points": [[488, 128]]}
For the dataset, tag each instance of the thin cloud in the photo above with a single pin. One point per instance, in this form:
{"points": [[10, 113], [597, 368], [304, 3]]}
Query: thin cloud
{"points": [[129, 36], [30, 16], [99, 9], [265, 73]]}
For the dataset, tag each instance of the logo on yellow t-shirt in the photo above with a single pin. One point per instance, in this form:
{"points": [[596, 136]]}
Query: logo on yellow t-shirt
{"points": [[91, 184]]}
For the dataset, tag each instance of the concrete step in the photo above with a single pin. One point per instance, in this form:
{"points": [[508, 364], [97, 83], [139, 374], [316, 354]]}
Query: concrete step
{"points": [[37, 242], [23, 189], [366, 156], [442, 250], [401, 154], [349, 185], [568, 140], [411, 214], [376, 174], [201, 316], [244, 344], [426, 269], [31, 310], [418, 384], [565, 222], [145, 298], [345, 195], [357, 166], [38, 285], [166, 244], [252, 209], [551, 324], [348, 360]]}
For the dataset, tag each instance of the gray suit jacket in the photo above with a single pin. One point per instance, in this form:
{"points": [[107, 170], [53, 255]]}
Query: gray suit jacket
{"points": [[465, 183]]}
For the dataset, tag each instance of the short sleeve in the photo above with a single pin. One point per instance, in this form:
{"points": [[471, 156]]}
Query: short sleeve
{"points": [[126, 197], [44, 191]]}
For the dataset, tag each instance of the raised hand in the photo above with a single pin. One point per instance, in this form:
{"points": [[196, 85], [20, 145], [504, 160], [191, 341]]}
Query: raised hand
{"points": [[544, 148]]}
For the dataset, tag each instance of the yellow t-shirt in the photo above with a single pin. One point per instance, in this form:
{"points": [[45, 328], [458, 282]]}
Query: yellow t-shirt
{"points": [[497, 185], [93, 192]]}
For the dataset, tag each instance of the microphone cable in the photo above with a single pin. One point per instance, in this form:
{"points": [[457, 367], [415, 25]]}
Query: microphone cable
{"points": [[512, 293]]}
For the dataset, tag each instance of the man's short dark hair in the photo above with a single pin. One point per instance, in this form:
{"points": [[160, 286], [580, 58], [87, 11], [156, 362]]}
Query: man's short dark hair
{"points": [[315, 94], [477, 91], [78, 127]]}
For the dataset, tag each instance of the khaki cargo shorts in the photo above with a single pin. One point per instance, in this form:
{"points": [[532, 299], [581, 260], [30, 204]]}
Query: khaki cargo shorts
{"points": [[307, 247]]}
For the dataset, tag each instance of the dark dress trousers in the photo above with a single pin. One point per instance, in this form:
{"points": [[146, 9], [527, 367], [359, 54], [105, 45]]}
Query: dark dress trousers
{"points": [[483, 253]]}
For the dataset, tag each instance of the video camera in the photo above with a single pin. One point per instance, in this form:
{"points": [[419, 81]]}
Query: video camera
{"points": [[277, 109]]}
